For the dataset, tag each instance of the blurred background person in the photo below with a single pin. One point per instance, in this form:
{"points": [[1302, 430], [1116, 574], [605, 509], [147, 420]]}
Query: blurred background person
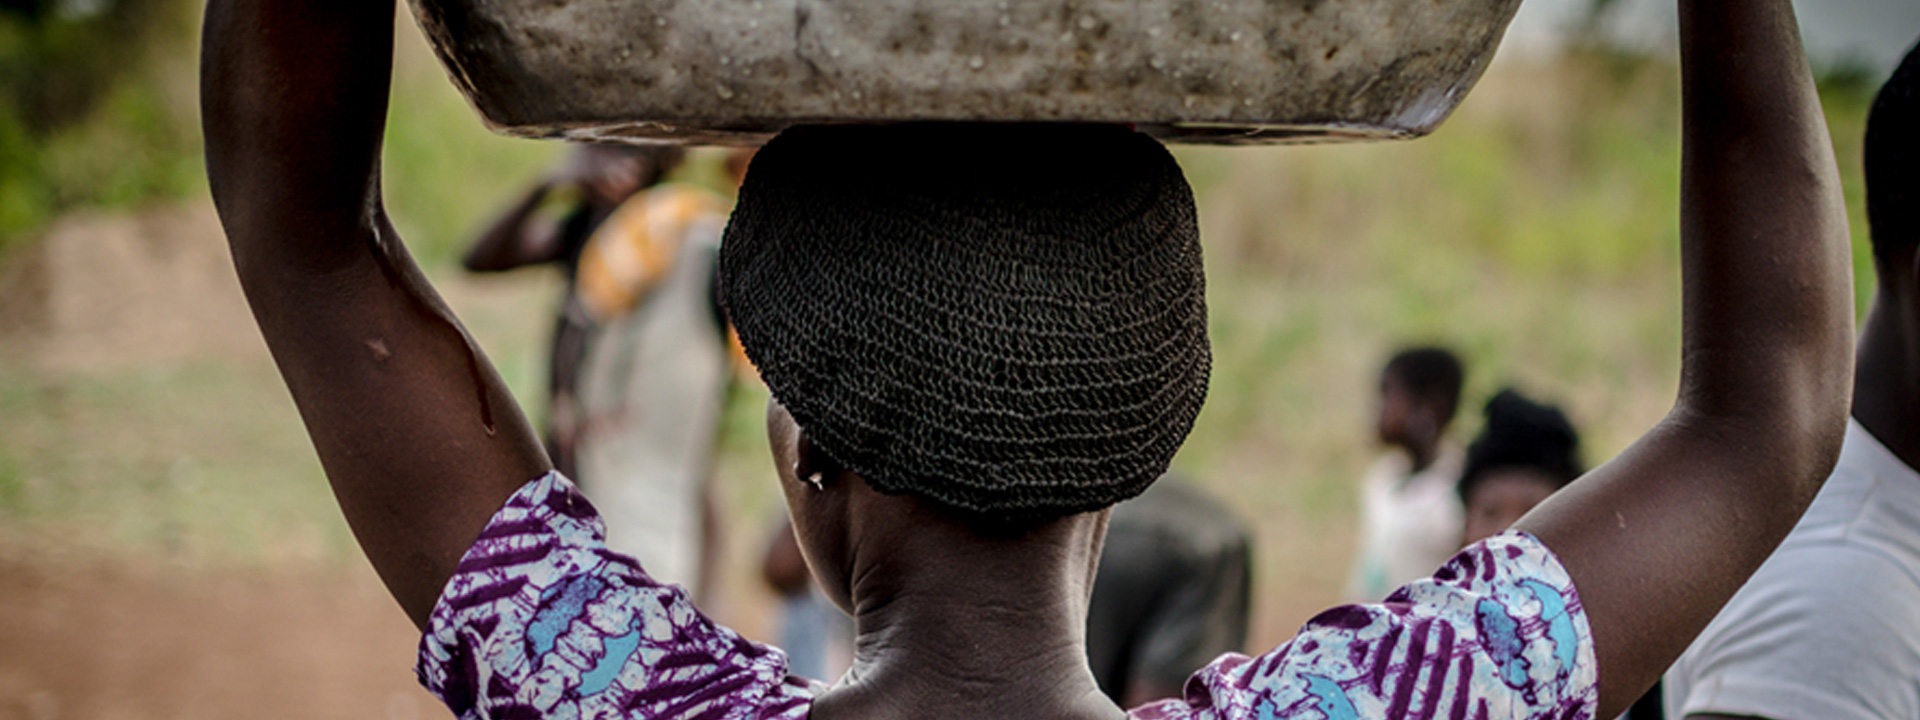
{"points": [[1171, 594], [816, 636], [653, 383], [639, 370], [1829, 627], [590, 184], [1524, 452], [1409, 515]]}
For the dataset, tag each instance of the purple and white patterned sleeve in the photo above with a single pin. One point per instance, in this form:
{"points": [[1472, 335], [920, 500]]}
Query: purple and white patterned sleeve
{"points": [[1498, 632], [541, 620]]}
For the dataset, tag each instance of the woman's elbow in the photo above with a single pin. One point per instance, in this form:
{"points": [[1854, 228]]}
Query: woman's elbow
{"points": [[1790, 431]]}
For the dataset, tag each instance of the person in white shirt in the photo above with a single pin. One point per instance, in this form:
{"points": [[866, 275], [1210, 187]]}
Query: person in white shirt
{"points": [[1829, 628], [1410, 516]]}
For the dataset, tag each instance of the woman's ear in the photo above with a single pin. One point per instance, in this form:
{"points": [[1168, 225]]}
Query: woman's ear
{"points": [[811, 465], [804, 461]]}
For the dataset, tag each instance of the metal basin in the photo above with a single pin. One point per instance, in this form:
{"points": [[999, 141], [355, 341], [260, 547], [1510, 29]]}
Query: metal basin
{"points": [[737, 71]]}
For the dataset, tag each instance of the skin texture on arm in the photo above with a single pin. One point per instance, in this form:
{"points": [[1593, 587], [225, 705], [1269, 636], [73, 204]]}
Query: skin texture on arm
{"points": [[419, 437], [1661, 537]]}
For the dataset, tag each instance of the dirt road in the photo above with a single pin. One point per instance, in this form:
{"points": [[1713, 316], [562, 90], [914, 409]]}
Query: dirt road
{"points": [[86, 640]]}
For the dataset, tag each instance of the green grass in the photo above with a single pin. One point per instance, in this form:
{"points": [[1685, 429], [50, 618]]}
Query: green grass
{"points": [[194, 462], [96, 112]]}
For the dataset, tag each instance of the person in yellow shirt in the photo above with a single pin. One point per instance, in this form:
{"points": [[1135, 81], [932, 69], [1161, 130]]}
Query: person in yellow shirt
{"points": [[640, 364]]}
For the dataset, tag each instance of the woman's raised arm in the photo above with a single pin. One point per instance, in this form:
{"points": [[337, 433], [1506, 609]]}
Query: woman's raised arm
{"points": [[419, 437], [1658, 539]]}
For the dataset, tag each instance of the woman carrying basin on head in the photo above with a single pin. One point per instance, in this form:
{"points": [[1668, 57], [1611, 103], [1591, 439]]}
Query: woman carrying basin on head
{"points": [[979, 338]]}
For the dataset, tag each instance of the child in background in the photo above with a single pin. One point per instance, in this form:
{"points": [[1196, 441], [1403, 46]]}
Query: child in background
{"points": [[1524, 453], [1409, 515]]}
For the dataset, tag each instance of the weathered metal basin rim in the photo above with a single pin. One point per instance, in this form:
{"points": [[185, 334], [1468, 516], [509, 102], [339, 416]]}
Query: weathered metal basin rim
{"points": [[738, 71]]}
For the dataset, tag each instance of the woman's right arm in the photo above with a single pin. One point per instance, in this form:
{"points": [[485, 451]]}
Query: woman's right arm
{"points": [[420, 438], [1658, 539]]}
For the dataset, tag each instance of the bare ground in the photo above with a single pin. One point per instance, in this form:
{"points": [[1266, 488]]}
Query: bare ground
{"points": [[86, 640], [96, 628]]}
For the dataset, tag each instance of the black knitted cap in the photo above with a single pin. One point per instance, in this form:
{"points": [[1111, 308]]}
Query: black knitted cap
{"points": [[1007, 320]]}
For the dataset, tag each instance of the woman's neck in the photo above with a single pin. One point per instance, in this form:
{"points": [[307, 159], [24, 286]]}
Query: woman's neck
{"points": [[951, 625]]}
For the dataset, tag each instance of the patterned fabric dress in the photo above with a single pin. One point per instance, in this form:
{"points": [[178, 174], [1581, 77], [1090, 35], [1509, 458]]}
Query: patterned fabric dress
{"points": [[542, 621]]}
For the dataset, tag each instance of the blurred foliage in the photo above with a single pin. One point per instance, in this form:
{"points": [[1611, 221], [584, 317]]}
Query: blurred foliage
{"points": [[96, 107], [60, 57]]}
